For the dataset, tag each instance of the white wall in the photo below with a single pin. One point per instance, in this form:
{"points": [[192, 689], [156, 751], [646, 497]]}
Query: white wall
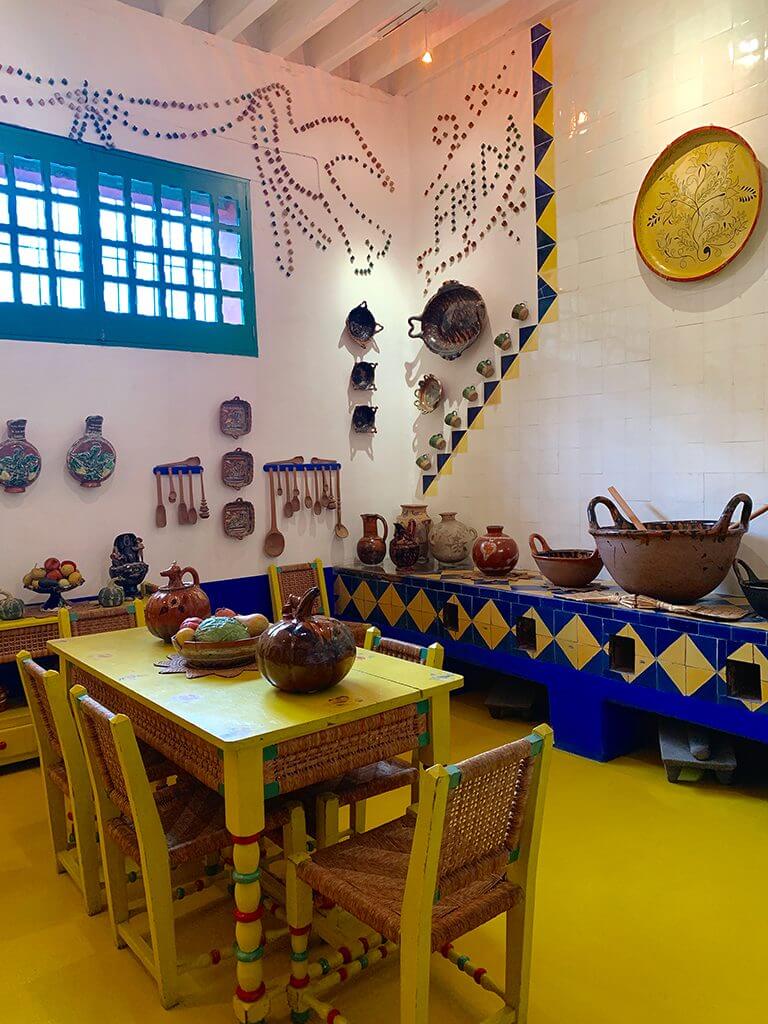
{"points": [[658, 388], [160, 406]]}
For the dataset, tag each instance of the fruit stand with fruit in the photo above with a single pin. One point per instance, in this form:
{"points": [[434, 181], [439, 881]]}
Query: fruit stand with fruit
{"points": [[55, 577]]}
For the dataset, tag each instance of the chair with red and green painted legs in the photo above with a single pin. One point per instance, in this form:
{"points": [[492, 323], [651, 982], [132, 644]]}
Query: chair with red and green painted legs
{"points": [[422, 881]]}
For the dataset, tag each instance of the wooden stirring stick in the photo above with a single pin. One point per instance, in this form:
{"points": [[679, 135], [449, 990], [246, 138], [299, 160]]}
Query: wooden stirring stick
{"points": [[205, 512], [626, 509], [758, 512]]}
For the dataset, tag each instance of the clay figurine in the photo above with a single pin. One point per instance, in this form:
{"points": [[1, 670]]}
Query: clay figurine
{"points": [[128, 568]]}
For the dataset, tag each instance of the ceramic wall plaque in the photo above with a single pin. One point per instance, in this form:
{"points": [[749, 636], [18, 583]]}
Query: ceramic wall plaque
{"points": [[452, 320], [20, 461], [698, 204], [363, 376], [429, 394], [235, 417], [237, 468], [92, 458], [361, 324], [239, 519]]}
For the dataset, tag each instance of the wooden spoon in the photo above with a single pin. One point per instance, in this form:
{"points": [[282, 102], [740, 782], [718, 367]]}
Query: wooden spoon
{"points": [[205, 512], [325, 499], [183, 517], [626, 509], [160, 515], [307, 495], [331, 500], [191, 511], [288, 507], [279, 484], [296, 501], [340, 529], [274, 542], [317, 508], [172, 488]]}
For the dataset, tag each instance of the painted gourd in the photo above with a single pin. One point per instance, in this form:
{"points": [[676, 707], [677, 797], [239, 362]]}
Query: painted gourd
{"points": [[10, 607], [111, 596]]}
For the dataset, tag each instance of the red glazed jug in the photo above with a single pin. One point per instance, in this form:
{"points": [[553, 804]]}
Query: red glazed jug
{"points": [[168, 607]]}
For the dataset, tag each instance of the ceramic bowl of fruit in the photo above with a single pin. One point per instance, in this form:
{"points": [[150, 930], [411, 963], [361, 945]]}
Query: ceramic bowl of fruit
{"points": [[54, 578], [225, 640]]}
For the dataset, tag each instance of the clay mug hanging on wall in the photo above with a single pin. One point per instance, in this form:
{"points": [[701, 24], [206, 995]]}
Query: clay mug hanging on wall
{"points": [[371, 548]]}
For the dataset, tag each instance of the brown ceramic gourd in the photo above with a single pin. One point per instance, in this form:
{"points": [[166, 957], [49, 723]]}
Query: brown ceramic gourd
{"points": [[371, 548], [565, 567], [169, 606], [677, 561], [495, 554], [306, 653], [404, 548]]}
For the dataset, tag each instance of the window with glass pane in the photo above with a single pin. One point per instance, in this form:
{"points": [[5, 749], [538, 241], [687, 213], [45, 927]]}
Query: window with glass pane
{"points": [[102, 247]]}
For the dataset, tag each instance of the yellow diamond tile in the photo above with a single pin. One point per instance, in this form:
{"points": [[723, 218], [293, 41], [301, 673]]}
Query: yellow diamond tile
{"points": [[543, 65], [431, 491], [698, 669], [392, 605], [672, 660], [463, 618], [514, 371], [569, 632], [462, 445], [495, 397], [545, 116], [644, 659], [491, 625], [569, 648], [545, 168], [478, 422], [543, 636], [552, 314], [548, 269], [342, 596], [532, 345], [548, 219], [421, 611], [364, 600], [584, 635]]}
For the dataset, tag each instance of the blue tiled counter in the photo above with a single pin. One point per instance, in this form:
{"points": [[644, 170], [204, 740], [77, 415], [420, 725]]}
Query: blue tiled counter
{"points": [[599, 662]]}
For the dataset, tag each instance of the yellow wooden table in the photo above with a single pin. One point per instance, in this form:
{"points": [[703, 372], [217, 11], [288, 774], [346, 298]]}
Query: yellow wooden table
{"points": [[247, 739]]}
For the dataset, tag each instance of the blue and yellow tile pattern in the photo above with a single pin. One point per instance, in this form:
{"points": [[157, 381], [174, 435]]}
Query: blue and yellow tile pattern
{"points": [[546, 253], [686, 660]]}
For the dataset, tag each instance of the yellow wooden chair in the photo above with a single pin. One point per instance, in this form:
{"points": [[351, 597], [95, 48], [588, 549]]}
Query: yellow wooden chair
{"points": [[65, 779], [83, 620], [424, 880], [296, 580], [161, 830], [357, 787]]}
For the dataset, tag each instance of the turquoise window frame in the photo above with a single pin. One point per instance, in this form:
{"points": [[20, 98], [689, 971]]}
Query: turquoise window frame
{"points": [[94, 325]]}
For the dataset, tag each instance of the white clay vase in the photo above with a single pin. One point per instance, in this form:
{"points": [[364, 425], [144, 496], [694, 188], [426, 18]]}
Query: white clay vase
{"points": [[451, 541]]}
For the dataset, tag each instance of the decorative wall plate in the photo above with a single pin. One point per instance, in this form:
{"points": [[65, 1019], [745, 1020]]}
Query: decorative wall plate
{"points": [[237, 468], [239, 519], [235, 417], [363, 376], [698, 204], [429, 393], [91, 460], [361, 324], [452, 320], [20, 461]]}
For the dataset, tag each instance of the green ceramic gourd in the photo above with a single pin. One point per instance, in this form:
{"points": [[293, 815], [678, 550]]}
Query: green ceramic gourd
{"points": [[111, 596], [10, 607]]}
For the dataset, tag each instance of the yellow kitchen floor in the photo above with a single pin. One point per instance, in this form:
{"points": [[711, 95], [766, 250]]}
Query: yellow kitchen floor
{"points": [[651, 905]]}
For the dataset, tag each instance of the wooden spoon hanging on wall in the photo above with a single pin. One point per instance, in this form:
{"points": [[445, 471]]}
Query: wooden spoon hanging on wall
{"points": [[317, 508], [160, 514], [205, 512], [274, 542], [191, 510]]}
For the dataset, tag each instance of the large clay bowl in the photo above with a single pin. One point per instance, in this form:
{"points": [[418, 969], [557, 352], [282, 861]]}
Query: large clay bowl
{"points": [[226, 654], [678, 561], [572, 568]]}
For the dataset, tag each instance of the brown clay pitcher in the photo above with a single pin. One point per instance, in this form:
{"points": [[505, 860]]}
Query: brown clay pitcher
{"points": [[371, 548], [168, 607]]}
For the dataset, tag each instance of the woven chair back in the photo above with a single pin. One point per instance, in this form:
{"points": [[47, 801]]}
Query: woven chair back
{"points": [[103, 620], [485, 815], [400, 649], [102, 752], [296, 580], [34, 677]]}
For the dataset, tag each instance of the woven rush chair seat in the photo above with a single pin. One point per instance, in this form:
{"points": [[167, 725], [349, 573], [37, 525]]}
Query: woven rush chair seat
{"points": [[367, 875], [359, 784]]}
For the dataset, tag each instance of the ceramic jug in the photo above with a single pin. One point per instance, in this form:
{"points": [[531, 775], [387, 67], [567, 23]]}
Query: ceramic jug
{"points": [[495, 554], [451, 541], [421, 526], [404, 548], [371, 548], [168, 607]]}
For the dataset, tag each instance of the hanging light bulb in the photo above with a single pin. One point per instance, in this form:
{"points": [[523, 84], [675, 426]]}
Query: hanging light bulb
{"points": [[426, 57]]}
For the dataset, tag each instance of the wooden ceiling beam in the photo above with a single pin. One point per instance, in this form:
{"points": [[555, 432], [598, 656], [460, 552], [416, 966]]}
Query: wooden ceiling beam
{"points": [[178, 10], [230, 18], [290, 23], [351, 33]]}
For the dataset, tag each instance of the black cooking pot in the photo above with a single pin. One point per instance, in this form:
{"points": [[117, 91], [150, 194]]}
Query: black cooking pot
{"points": [[755, 590]]}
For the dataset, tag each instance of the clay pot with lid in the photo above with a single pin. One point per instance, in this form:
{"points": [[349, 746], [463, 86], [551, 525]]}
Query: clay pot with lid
{"points": [[170, 605], [451, 540], [679, 561], [306, 653], [404, 548], [371, 548], [495, 554], [565, 567], [417, 514]]}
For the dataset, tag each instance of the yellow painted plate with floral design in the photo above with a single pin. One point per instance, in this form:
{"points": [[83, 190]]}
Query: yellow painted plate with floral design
{"points": [[698, 204]]}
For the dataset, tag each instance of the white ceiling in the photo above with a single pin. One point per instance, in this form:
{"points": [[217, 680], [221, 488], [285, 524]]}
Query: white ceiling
{"points": [[375, 42]]}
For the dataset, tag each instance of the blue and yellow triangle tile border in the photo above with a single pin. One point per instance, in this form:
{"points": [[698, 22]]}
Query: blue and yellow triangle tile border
{"points": [[546, 307]]}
